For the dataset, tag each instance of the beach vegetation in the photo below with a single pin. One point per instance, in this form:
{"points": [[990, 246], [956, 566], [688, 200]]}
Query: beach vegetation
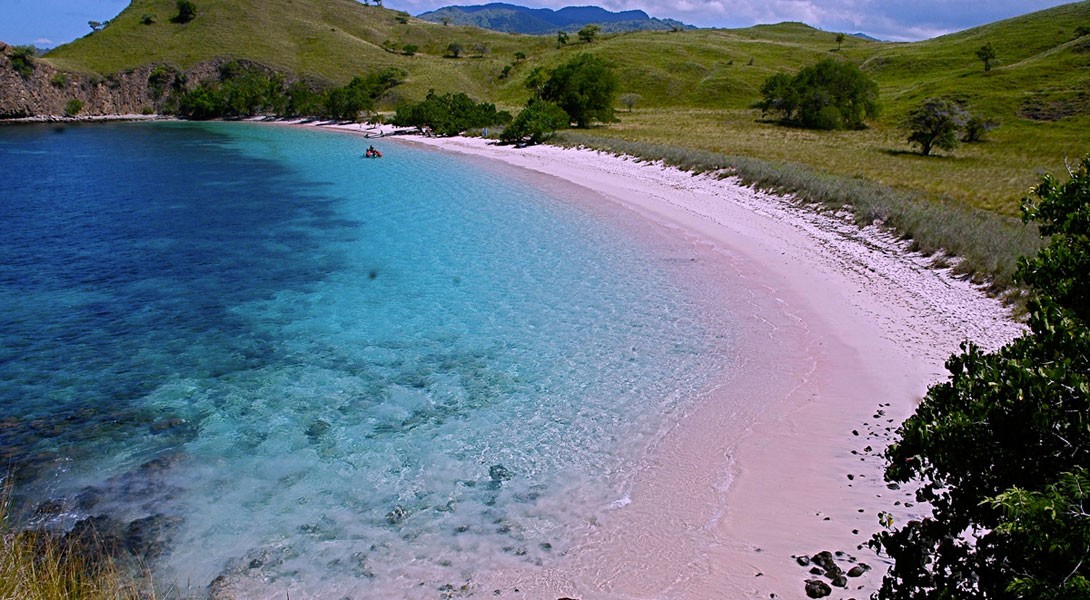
{"points": [[536, 123], [936, 124], [187, 11], [832, 94], [585, 87], [1000, 451], [449, 114], [40, 565]]}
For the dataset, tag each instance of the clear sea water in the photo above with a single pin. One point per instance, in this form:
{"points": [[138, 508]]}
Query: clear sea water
{"points": [[275, 365]]}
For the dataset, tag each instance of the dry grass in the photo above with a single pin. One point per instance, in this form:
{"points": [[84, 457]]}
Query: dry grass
{"points": [[40, 565]]}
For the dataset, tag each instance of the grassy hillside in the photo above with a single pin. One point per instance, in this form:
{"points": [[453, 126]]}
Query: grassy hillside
{"points": [[696, 86]]}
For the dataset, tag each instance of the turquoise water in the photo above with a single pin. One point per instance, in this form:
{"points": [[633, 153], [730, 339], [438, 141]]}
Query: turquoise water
{"points": [[264, 361]]}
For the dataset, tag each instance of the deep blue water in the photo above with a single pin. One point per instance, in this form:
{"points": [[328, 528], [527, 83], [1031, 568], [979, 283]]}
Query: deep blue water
{"points": [[313, 372]]}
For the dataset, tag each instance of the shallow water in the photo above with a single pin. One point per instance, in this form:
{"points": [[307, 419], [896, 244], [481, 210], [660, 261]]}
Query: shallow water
{"points": [[322, 374]]}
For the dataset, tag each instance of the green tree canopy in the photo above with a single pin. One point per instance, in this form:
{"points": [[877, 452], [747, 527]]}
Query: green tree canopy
{"points": [[536, 123], [832, 94], [585, 87], [987, 55], [935, 124], [1000, 450], [449, 114], [589, 32]]}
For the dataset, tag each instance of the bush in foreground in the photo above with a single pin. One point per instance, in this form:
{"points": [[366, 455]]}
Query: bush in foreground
{"points": [[1001, 450]]}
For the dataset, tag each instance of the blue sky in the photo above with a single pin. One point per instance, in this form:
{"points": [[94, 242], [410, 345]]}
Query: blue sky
{"points": [[53, 22]]}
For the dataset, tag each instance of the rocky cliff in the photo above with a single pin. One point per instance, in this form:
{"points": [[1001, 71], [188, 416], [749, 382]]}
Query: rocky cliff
{"points": [[40, 89]]}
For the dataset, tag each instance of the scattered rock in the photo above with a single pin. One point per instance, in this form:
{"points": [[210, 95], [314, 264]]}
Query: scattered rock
{"points": [[397, 515], [815, 588], [858, 570]]}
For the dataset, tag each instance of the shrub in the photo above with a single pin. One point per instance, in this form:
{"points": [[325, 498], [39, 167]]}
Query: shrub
{"points": [[449, 114], [73, 107], [987, 55], [22, 60], [831, 94], [409, 49], [454, 50], [1001, 448], [59, 80], [977, 128], [187, 11], [147, 19], [536, 123], [589, 32]]}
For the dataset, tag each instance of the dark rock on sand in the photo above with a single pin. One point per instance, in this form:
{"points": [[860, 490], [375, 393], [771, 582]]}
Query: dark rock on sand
{"points": [[815, 588]]}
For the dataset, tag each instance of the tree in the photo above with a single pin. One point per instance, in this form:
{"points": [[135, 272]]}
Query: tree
{"points": [[454, 50], [481, 48], [561, 38], [449, 114], [585, 87], [832, 94], [589, 32], [536, 123], [520, 56], [187, 11], [987, 55], [630, 100], [1082, 30], [409, 49], [1000, 449], [446, 21], [839, 41], [935, 124]]}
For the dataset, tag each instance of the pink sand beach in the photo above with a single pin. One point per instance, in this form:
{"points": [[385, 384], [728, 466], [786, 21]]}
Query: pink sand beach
{"points": [[846, 329]]}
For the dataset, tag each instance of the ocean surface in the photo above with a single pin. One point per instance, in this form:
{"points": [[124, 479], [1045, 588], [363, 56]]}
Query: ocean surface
{"points": [[270, 366]]}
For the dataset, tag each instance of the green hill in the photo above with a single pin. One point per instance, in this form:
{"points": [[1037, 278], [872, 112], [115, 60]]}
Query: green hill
{"points": [[696, 87]]}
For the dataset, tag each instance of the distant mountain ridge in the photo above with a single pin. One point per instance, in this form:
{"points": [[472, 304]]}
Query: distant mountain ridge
{"points": [[510, 18]]}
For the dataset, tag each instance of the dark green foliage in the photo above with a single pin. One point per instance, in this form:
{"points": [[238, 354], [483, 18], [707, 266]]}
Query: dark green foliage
{"points": [[935, 124], [536, 123], [589, 32], [243, 90], [585, 87], [59, 80], [987, 55], [147, 19], [839, 41], [831, 94], [1001, 449], [561, 38], [73, 107], [449, 114], [162, 78], [22, 60], [454, 50], [187, 11], [409, 49], [977, 128], [1081, 30]]}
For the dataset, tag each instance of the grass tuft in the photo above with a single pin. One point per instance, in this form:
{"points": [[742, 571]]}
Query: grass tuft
{"points": [[40, 565]]}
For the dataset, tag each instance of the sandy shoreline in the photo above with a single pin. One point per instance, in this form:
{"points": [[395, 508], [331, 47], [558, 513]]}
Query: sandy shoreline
{"points": [[852, 321]]}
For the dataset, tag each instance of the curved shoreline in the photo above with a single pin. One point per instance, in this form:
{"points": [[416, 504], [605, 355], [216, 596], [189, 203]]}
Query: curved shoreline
{"points": [[872, 325]]}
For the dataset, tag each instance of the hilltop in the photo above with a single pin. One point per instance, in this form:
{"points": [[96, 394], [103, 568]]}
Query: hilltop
{"points": [[510, 18]]}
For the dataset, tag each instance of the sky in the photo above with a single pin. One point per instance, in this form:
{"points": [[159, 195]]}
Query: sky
{"points": [[47, 23]]}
